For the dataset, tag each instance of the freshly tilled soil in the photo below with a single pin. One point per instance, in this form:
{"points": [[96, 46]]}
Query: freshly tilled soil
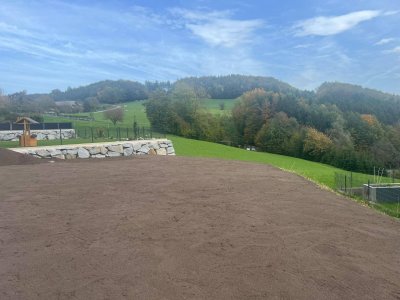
{"points": [[180, 228], [8, 157]]}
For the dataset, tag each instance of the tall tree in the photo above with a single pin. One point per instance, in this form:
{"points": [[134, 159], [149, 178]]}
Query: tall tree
{"points": [[250, 114], [114, 115]]}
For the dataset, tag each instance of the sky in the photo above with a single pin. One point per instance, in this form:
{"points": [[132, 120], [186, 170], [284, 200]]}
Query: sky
{"points": [[46, 45]]}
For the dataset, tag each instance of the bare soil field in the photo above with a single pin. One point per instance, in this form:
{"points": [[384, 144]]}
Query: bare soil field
{"points": [[181, 228]]}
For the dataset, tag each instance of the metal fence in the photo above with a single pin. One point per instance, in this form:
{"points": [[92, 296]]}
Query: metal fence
{"points": [[39, 126], [376, 189], [117, 133], [379, 191]]}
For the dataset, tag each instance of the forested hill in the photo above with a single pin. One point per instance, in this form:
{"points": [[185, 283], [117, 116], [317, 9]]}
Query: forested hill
{"points": [[107, 91], [233, 86], [347, 97], [354, 98]]}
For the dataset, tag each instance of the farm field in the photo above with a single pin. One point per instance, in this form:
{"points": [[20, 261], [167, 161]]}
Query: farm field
{"points": [[132, 111], [180, 227], [136, 111]]}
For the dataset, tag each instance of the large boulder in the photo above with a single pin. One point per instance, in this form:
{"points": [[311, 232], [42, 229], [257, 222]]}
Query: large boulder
{"points": [[94, 150], [83, 153], [116, 148], [113, 154], [144, 149], [128, 151], [170, 151], [154, 145], [103, 150], [161, 151], [137, 146], [43, 153], [127, 145], [69, 156], [54, 152]]}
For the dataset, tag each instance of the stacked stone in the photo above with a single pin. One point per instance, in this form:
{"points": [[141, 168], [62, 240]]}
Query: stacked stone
{"points": [[47, 134], [161, 147]]}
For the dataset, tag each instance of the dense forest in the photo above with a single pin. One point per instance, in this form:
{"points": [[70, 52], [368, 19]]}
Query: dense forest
{"points": [[340, 124], [318, 127]]}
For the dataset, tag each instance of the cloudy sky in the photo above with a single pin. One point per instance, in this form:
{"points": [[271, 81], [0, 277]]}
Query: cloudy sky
{"points": [[55, 44]]}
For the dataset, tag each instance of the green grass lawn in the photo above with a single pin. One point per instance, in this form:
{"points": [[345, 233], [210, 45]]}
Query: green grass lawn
{"points": [[132, 111], [136, 111]]}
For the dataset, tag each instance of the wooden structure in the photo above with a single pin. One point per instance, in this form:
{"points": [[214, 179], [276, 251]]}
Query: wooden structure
{"points": [[26, 139]]}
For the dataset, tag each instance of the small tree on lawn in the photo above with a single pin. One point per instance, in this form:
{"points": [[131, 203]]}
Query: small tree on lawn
{"points": [[114, 115]]}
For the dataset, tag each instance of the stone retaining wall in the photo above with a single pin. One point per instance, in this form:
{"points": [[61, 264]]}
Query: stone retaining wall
{"points": [[45, 134], [101, 150]]}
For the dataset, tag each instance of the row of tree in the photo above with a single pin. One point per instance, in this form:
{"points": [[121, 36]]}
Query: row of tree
{"points": [[281, 123]]}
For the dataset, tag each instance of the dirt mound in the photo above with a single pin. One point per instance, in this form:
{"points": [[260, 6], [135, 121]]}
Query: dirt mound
{"points": [[8, 157], [184, 228]]}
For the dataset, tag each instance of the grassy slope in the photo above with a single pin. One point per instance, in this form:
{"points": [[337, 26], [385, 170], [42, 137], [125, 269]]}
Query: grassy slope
{"points": [[132, 110], [136, 110]]}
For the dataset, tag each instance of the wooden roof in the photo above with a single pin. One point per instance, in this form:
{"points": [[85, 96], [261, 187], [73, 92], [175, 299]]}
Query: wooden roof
{"points": [[21, 120]]}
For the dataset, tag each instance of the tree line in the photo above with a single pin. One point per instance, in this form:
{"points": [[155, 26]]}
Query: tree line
{"points": [[347, 97], [281, 123]]}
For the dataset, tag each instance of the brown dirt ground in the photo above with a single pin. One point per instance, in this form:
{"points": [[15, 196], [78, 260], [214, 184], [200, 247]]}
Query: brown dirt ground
{"points": [[180, 228], [8, 157]]}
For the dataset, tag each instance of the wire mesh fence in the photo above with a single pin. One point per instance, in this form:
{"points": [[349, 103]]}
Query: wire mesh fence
{"points": [[378, 190], [117, 133]]}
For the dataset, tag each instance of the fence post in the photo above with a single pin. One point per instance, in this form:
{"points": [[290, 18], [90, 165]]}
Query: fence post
{"points": [[61, 141], [127, 133], [85, 132], [345, 184], [351, 183], [368, 190], [135, 130], [91, 130]]}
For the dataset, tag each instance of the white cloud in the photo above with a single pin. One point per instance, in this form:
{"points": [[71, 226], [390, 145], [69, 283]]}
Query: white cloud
{"points": [[395, 50], [302, 46], [384, 41], [218, 29], [325, 26], [391, 12]]}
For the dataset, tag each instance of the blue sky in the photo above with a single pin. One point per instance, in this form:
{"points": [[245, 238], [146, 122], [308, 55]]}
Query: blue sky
{"points": [[46, 45]]}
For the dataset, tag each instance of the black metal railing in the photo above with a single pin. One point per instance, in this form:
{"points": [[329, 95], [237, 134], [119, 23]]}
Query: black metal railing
{"points": [[40, 126]]}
